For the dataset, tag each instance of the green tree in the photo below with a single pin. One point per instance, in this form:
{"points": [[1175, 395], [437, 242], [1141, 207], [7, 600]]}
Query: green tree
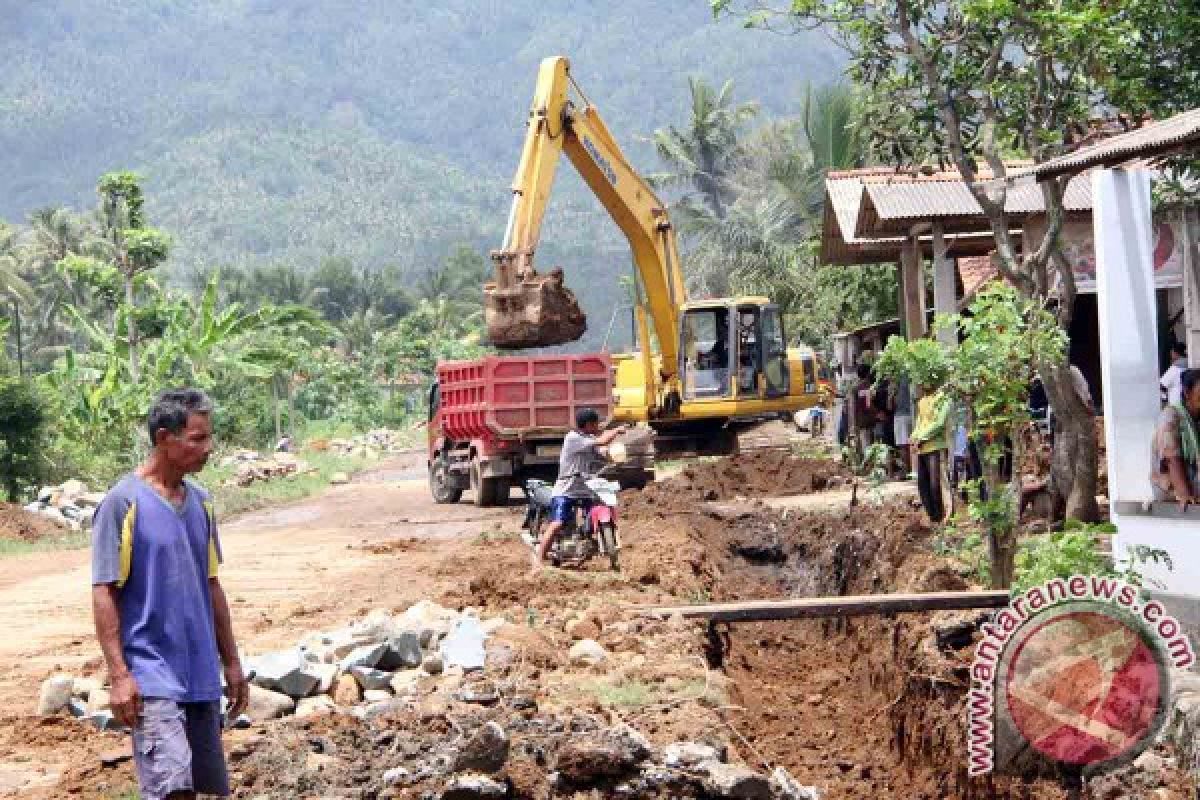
{"points": [[130, 245], [967, 82], [22, 437], [12, 286], [1005, 340], [704, 155], [55, 233]]}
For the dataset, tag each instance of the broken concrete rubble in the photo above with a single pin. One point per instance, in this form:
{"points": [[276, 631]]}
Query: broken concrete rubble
{"points": [[588, 652], [69, 504], [688, 754], [55, 694], [312, 706], [403, 650], [369, 678], [285, 671], [734, 781], [463, 646], [265, 704], [473, 787], [367, 655], [486, 750]]}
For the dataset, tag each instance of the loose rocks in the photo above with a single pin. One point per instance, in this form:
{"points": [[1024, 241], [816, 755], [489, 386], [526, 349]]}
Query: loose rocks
{"points": [[313, 706], [346, 691], [734, 781], [689, 754], [473, 787], [265, 704], [485, 751], [403, 651], [55, 694], [608, 754], [588, 652]]}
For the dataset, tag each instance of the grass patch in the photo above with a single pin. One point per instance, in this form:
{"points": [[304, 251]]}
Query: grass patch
{"points": [[70, 540], [488, 537], [232, 499], [632, 693], [626, 694]]}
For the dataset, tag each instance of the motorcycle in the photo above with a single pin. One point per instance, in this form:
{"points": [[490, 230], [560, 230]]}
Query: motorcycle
{"points": [[576, 543]]}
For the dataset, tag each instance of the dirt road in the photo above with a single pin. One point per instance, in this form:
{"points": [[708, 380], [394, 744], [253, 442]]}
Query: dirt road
{"points": [[287, 570]]}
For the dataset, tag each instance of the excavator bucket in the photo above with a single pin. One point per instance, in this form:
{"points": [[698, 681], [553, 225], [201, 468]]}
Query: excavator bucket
{"points": [[530, 310]]}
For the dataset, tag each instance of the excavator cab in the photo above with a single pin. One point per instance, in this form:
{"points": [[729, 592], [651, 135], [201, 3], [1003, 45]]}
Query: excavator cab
{"points": [[733, 349]]}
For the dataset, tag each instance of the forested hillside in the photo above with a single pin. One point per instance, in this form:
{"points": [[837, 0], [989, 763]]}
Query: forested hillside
{"points": [[275, 131]]}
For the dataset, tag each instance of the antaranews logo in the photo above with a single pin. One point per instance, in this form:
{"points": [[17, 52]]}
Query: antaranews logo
{"points": [[1075, 670]]}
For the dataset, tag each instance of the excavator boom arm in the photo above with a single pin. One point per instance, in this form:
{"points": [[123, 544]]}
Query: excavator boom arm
{"points": [[557, 126]]}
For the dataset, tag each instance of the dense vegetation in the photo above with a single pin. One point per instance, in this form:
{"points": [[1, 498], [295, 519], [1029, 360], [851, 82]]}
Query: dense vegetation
{"points": [[314, 186], [285, 131]]}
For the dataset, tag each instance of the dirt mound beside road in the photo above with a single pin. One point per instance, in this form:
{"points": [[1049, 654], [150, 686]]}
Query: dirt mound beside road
{"points": [[17, 524], [765, 473]]}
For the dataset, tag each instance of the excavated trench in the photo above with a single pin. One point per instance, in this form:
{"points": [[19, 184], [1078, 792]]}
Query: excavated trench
{"points": [[862, 707]]}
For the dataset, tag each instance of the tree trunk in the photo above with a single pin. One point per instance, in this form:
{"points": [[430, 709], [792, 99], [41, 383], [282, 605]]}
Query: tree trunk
{"points": [[291, 407], [275, 405], [1002, 535], [131, 326], [1073, 469]]}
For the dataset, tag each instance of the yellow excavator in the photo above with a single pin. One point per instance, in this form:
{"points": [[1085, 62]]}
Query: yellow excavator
{"points": [[717, 360]]}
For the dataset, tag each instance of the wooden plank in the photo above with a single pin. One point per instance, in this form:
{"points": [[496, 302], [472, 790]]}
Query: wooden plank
{"points": [[845, 606]]}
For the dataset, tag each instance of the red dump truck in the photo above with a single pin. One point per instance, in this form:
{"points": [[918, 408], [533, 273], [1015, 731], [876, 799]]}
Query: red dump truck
{"points": [[496, 421]]}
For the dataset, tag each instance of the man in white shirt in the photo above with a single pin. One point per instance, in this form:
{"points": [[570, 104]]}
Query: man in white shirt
{"points": [[1169, 383]]}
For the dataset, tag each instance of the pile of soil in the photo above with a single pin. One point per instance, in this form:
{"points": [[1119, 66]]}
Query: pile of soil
{"points": [[17, 524], [765, 473]]}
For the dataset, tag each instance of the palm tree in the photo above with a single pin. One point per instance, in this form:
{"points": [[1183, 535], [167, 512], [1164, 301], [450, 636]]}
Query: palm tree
{"points": [[12, 285], [761, 244], [704, 155], [455, 288]]}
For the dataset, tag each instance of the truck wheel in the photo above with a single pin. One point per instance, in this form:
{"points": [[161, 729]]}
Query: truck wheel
{"points": [[608, 537], [488, 491], [439, 482]]}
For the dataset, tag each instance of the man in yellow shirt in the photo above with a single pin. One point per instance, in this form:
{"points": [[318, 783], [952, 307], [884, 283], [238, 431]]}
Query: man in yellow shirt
{"points": [[927, 441]]}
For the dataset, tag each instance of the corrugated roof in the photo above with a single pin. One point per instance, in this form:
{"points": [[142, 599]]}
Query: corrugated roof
{"points": [[893, 207], [840, 245], [1154, 140]]}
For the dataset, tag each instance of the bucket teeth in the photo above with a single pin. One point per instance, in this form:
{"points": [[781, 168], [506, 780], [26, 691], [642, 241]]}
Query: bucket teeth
{"points": [[538, 311]]}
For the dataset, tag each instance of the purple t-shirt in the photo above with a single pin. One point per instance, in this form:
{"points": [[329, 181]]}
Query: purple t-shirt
{"points": [[161, 558]]}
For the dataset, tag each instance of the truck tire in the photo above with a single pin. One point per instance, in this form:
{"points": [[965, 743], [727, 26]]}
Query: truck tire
{"points": [[488, 491], [439, 486]]}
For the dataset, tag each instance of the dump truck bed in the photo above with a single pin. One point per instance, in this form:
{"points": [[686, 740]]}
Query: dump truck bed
{"points": [[521, 396]]}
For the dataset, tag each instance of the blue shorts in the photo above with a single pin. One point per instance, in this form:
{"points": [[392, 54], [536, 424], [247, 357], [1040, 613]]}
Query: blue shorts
{"points": [[177, 748], [562, 509]]}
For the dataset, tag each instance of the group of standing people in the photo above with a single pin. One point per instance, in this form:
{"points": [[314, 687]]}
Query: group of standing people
{"points": [[1176, 445], [879, 412]]}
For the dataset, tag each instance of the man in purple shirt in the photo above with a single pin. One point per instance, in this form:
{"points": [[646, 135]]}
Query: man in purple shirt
{"points": [[161, 615]]}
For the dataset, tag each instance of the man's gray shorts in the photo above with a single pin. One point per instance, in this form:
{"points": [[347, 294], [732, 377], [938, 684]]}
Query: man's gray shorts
{"points": [[177, 748]]}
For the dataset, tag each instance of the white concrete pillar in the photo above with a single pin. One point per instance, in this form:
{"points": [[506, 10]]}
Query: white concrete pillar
{"points": [[1121, 217], [1123, 230], [945, 295]]}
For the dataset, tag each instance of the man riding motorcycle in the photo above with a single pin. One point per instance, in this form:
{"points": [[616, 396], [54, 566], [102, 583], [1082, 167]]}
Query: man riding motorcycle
{"points": [[579, 460]]}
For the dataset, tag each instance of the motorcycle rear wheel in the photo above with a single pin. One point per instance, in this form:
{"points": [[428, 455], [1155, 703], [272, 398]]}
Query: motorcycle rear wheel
{"points": [[612, 547]]}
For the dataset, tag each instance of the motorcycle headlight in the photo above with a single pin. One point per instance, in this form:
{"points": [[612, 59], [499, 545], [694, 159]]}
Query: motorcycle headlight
{"points": [[616, 451]]}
